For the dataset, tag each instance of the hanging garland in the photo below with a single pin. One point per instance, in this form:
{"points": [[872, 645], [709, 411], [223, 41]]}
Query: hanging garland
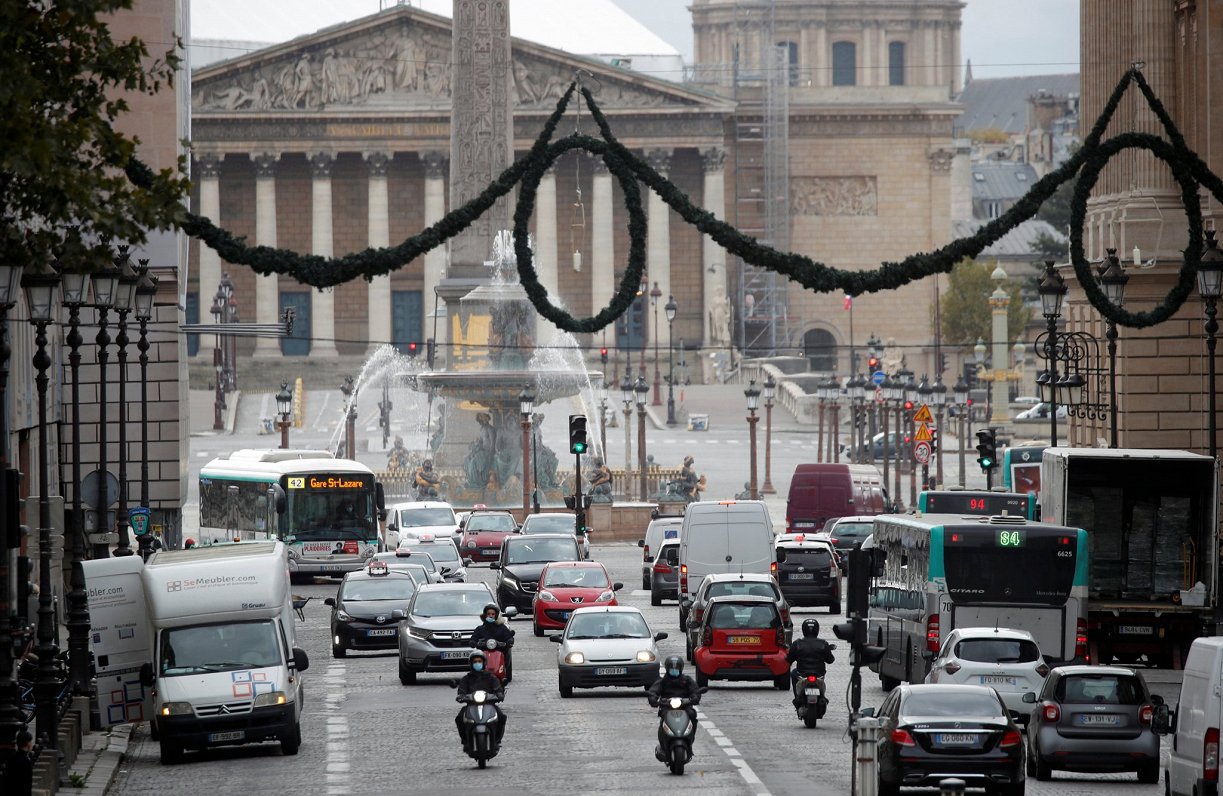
{"points": [[1187, 169]]}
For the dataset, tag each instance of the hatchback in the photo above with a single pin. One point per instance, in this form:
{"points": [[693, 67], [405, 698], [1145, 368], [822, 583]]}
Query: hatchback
{"points": [[664, 573], [807, 572], [1093, 718], [742, 638], [610, 646], [846, 532], [692, 611], [484, 532], [1008, 661], [565, 586]]}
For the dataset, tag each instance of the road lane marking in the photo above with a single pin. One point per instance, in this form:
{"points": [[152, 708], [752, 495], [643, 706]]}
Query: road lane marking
{"points": [[337, 766], [736, 759]]}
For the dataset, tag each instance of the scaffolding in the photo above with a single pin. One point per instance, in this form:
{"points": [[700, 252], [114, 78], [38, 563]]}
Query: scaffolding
{"points": [[762, 72]]}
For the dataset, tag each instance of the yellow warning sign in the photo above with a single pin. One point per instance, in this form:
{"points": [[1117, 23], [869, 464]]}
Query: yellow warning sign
{"points": [[923, 415], [923, 434]]}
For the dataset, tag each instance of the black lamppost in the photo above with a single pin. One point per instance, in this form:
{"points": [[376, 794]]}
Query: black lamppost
{"points": [[940, 403], [10, 721], [40, 290], [76, 287], [770, 392], [1052, 290], [105, 285], [627, 398], [146, 292], [642, 390], [125, 298], [909, 387], [961, 409], [603, 424], [655, 295], [284, 408], [229, 314], [1210, 286], [349, 388], [218, 364], [753, 398], [1112, 281], [671, 310], [887, 386], [526, 405]]}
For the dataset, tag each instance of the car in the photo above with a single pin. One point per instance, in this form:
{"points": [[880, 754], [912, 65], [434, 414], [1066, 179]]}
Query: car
{"points": [[928, 733], [1093, 718], [420, 516], [565, 586], [557, 522], [1041, 411], [845, 532], [523, 559], [606, 646], [807, 571], [484, 532], [1026, 400], [660, 529], [362, 610], [729, 584], [664, 577], [741, 638], [435, 629], [419, 565], [1009, 661], [900, 447], [443, 552]]}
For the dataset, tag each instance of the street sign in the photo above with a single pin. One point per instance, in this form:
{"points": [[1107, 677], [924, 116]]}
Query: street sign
{"points": [[139, 519], [878, 395], [921, 452], [879, 377], [923, 434], [923, 415]]}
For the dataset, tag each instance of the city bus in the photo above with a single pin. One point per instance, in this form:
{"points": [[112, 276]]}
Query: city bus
{"points": [[939, 572], [967, 501], [326, 510]]}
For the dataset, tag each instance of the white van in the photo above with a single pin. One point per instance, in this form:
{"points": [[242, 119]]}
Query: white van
{"points": [[724, 536], [663, 529], [1193, 762]]}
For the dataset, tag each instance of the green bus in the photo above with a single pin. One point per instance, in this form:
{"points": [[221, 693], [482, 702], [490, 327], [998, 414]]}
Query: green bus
{"points": [[965, 501]]}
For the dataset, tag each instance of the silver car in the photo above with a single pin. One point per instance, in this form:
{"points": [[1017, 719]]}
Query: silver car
{"points": [[664, 575], [436, 628]]}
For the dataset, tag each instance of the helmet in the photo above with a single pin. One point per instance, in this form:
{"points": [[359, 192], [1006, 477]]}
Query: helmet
{"points": [[689, 460], [476, 655], [188, 544], [674, 662], [811, 627], [399, 440], [493, 607]]}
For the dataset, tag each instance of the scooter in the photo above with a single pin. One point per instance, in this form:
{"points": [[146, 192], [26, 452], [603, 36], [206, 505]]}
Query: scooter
{"points": [[480, 716], [809, 698], [495, 660], [675, 733]]}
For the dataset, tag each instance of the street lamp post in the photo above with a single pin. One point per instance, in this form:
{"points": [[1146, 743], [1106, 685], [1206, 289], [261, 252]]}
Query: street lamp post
{"points": [[230, 350], [627, 398], [526, 404], [939, 393], [105, 282], [218, 365], [960, 390], [887, 386], [655, 295], [821, 394], [284, 408], [770, 392], [10, 721], [1210, 286], [911, 395], [671, 310], [76, 287], [753, 397], [40, 290], [642, 390], [603, 423], [1112, 281], [146, 292], [1053, 290], [349, 388], [125, 298], [834, 397]]}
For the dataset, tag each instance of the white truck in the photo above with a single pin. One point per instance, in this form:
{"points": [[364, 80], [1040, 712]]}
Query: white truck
{"points": [[221, 660]]}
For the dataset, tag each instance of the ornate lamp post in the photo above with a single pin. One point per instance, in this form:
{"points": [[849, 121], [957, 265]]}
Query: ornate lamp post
{"points": [[1113, 279], [218, 402], [10, 721], [939, 395], [960, 390], [627, 398], [753, 398], [1053, 290], [146, 292], [40, 290], [105, 284], [125, 299], [349, 389], [603, 422], [1210, 286], [834, 400], [858, 393], [655, 295], [284, 408], [770, 392], [671, 310], [526, 405], [821, 394], [885, 412], [76, 287], [642, 389], [225, 289]]}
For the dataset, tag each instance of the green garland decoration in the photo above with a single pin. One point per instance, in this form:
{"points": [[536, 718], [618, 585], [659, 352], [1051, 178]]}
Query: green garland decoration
{"points": [[1187, 168]]}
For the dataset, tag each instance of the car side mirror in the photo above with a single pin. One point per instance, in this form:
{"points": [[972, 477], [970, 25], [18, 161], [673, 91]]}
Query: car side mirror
{"points": [[928, 654], [391, 526], [399, 613], [641, 542], [866, 713], [495, 565], [556, 638], [1157, 700], [444, 570], [510, 612], [659, 636], [686, 604], [1029, 697], [146, 675], [329, 601], [617, 586], [301, 661], [1016, 716], [467, 562], [1164, 720]]}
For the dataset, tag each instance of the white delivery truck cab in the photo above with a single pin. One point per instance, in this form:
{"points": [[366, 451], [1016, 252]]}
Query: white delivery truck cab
{"points": [[724, 536], [1193, 763], [223, 667]]}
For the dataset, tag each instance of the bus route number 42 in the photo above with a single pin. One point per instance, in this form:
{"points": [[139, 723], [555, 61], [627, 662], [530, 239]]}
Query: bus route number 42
{"points": [[1010, 539]]}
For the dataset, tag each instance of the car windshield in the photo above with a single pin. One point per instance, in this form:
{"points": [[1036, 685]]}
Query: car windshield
{"points": [[739, 588], [418, 557], [468, 602], [854, 529], [734, 616], [491, 522], [389, 588], [584, 577], [219, 648], [997, 650], [1100, 690], [813, 557], [541, 551], [549, 523], [955, 705], [441, 552], [608, 624], [419, 518]]}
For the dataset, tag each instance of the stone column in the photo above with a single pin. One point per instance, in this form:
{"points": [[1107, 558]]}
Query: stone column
{"points": [[868, 61], [602, 238], [267, 288], [545, 234], [713, 258], [208, 172], [436, 165], [658, 248], [322, 306], [823, 55], [379, 290]]}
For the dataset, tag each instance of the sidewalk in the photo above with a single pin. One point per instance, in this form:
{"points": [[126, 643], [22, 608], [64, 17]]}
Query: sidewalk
{"points": [[202, 404], [99, 759]]}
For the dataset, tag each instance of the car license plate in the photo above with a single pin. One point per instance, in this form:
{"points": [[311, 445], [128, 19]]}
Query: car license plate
{"points": [[955, 739], [383, 631], [743, 640], [490, 551], [236, 735], [455, 655], [1097, 719], [602, 670], [1135, 630], [801, 576], [804, 525], [997, 679]]}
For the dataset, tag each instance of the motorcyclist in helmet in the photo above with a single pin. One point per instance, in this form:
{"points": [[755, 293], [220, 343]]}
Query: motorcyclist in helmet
{"points": [[674, 683], [810, 654], [480, 679], [492, 625]]}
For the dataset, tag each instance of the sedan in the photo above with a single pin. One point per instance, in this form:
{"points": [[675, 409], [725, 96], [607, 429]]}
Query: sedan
{"points": [[928, 733], [1093, 718], [484, 532], [1009, 661], [556, 522], [362, 612], [565, 586], [604, 647], [443, 552]]}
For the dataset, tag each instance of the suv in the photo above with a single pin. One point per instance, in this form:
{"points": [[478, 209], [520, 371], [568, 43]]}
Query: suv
{"points": [[483, 533], [522, 560], [741, 638], [435, 630], [1009, 661], [422, 516], [807, 572], [845, 532], [730, 585], [443, 552]]}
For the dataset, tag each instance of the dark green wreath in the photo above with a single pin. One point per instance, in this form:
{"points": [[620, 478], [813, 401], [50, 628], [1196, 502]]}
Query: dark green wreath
{"points": [[1187, 168]]}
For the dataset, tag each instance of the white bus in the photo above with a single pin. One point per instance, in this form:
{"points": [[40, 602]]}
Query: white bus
{"points": [[326, 510], [940, 572]]}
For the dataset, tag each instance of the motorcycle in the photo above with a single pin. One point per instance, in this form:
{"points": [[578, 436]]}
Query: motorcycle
{"points": [[480, 716], [494, 660], [675, 733], [809, 699]]}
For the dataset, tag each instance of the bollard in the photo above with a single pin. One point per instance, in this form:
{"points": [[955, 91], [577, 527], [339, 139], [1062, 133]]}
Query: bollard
{"points": [[868, 738], [951, 787]]}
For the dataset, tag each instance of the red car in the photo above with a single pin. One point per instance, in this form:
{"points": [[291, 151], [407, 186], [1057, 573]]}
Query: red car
{"points": [[483, 533], [742, 638], [567, 585]]}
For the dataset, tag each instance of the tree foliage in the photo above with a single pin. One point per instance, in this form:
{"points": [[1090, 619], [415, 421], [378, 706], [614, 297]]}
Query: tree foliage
{"points": [[63, 191], [965, 314]]}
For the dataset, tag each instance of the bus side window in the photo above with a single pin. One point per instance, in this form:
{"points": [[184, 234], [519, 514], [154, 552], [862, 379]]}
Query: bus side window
{"points": [[261, 513]]}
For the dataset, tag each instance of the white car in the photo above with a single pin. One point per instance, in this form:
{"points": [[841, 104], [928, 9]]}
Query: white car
{"points": [[420, 566], [556, 522], [422, 516], [1009, 661], [606, 646], [442, 550], [1041, 411]]}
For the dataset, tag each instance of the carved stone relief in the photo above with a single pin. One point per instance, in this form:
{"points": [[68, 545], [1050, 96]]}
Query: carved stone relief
{"points": [[834, 196], [940, 160]]}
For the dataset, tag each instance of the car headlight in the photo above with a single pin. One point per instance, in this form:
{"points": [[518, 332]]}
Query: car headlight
{"points": [[342, 616], [416, 632], [270, 698], [176, 709], [645, 656], [547, 597], [575, 657], [511, 581], [606, 597]]}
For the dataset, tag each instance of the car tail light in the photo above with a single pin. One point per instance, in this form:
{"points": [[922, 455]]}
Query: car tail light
{"points": [[645, 552], [773, 570], [1051, 712], [1210, 755], [1145, 714], [1080, 640], [706, 637], [832, 539], [1042, 670], [662, 568], [932, 633], [683, 578], [902, 738], [785, 616], [951, 668], [1011, 738], [698, 614], [781, 637]]}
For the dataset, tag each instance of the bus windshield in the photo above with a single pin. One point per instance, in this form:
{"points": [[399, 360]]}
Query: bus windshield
{"points": [[1018, 565], [326, 507]]}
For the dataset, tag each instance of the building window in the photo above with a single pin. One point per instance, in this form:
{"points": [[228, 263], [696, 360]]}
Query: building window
{"points": [[844, 63], [790, 56], [896, 63], [993, 209], [820, 348]]}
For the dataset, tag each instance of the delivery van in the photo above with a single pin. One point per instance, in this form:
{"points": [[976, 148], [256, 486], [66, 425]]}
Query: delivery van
{"points": [[823, 492], [724, 536], [1193, 761]]}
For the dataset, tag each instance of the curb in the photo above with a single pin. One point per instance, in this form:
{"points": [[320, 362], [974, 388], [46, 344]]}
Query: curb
{"points": [[99, 759]]}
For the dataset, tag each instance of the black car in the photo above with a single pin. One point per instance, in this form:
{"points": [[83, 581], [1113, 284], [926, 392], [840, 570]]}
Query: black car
{"points": [[928, 733], [845, 533], [900, 447], [808, 573], [522, 561], [361, 613]]}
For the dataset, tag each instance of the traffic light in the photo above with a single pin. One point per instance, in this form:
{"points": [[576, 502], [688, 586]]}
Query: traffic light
{"points": [[942, 362], [603, 355], [872, 364], [987, 449], [412, 349], [908, 406], [577, 434], [430, 350]]}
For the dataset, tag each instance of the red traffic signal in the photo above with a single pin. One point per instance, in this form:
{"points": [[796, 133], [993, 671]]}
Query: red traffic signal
{"points": [[412, 349], [603, 355], [908, 405], [873, 364]]}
